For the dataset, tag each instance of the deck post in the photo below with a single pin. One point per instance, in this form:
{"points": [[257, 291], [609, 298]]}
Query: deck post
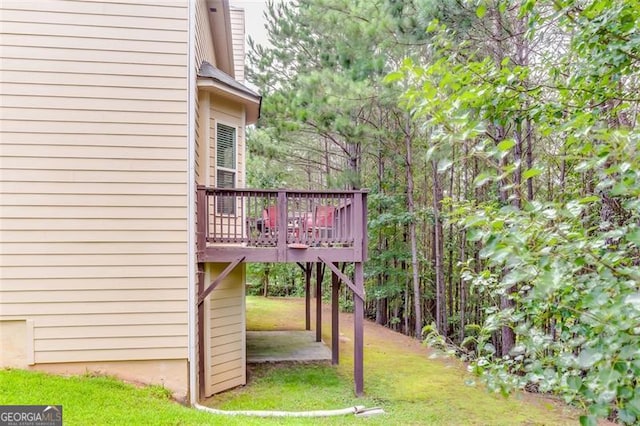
{"points": [[335, 329], [307, 295], [282, 226], [319, 276], [202, 216], [358, 332], [201, 350]]}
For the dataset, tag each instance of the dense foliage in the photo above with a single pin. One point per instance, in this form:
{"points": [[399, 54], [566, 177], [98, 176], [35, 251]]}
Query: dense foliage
{"points": [[500, 143]]}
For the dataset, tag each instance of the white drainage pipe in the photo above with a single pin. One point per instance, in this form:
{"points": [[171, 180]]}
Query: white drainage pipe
{"points": [[357, 410]]}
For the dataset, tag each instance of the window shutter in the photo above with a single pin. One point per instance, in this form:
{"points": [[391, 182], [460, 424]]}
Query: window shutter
{"points": [[226, 166], [226, 146], [226, 204], [226, 179]]}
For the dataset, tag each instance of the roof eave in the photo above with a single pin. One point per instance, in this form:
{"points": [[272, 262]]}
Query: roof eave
{"points": [[220, 24], [250, 101]]}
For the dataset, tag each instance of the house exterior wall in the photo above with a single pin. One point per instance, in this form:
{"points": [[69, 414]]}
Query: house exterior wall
{"points": [[225, 355], [203, 52], [204, 40], [238, 32], [93, 173], [226, 306], [225, 334]]}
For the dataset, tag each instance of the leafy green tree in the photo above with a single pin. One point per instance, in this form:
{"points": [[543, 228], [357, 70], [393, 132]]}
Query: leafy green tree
{"points": [[568, 263], [324, 97], [502, 160]]}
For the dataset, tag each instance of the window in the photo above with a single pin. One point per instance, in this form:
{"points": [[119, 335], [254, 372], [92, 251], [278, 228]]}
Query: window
{"points": [[226, 165]]}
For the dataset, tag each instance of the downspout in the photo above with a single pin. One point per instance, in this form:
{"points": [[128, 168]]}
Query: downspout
{"points": [[191, 210]]}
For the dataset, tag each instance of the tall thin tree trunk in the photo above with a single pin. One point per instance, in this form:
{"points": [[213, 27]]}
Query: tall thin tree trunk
{"points": [[463, 287], [441, 304], [517, 173], [407, 304], [463, 193], [450, 286], [265, 281], [507, 334], [529, 159], [563, 169], [327, 162], [417, 297], [381, 303]]}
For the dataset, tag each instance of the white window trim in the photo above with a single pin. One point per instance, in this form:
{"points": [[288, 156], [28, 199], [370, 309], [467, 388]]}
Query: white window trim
{"points": [[226, 169], [235, 159]]}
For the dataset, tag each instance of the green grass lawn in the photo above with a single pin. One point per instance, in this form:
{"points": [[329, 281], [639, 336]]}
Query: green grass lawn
{"points": [[399, 377], [89, 400]]}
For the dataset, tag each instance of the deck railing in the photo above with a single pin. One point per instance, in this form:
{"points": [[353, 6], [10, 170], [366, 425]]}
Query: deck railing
{"points": [[271, 218]]}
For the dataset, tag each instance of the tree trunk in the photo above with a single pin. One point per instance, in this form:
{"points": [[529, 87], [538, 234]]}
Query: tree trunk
{"points": [[450, 286], [327, 162], [417, 297], [381, 311], [407, 304], [463, 287], [508, 337], [530, 159], [463, 193], [381, 303], [441, 304], [517, 174], [265, 281]]}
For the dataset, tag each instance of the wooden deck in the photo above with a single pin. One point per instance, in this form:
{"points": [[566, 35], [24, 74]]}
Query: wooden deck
{"points": [[281, 225], [321, 228]]}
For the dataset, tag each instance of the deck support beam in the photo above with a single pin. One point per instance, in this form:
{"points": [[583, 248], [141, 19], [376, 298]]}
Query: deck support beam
{"points": [[357, 286], [335, 317], [319, 277], [358, 331], [201, 349], [307, 268], [357, 291], [307, 296], [230, 267]]}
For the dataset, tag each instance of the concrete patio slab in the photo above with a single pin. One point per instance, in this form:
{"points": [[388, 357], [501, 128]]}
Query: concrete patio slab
{"points": [[278, 346]]}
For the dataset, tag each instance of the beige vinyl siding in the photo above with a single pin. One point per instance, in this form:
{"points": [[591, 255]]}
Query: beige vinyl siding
{"points": [[93, 177], [225, 353], [204, 41], [197, 141], [225, 307], [232, 114], [238, 35], [204, 142], [226, 333]]}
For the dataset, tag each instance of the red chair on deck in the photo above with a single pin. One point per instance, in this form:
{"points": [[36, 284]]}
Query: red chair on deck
{"points": [[269, 220], [321, 224]]}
